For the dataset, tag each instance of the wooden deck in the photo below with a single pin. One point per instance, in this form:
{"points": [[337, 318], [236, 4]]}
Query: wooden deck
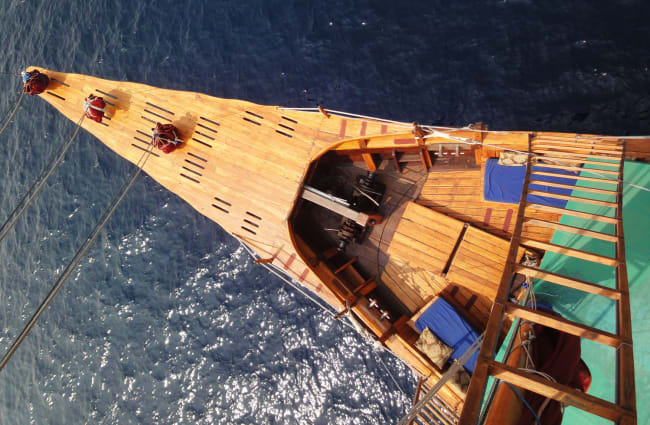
{"points": [[459, 194], [431, 253]]}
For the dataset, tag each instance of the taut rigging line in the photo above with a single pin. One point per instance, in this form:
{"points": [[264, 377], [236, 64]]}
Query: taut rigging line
{"points": [[72, 265], [38, 184], [11, 115]]}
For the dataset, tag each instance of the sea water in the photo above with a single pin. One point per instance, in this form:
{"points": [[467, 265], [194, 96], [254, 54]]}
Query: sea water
{"points": [[166, 320]]}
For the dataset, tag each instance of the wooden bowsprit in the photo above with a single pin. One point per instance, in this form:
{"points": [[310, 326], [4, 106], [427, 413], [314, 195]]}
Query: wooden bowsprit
{"points": [[610, 153]]}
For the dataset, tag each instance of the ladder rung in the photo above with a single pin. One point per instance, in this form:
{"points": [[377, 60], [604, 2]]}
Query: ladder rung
{"points": [[580, 214], [565, 176], [607, 140], [577, 149], [571, 229], [569, 282], [579, 144], [576, 253], [570, 168], [563, 325], [573, 198], [576, 155], [579, 161], [562, 393], [573, 187], [430, 413]]}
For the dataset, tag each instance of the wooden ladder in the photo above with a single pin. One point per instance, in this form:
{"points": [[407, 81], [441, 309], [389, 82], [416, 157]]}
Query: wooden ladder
{"points": [[609, 156], [435, 412]]}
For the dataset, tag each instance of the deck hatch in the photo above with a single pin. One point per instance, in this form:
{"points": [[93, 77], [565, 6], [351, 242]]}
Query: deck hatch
{"points": [[253, 215], [251, 223]]}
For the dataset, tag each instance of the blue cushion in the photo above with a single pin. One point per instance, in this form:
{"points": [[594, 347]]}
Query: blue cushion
{"points": [[504, 183], [452, 329]]}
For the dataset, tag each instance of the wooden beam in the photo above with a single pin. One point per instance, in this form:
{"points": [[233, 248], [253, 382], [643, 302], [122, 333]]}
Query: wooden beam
{"points": [[569, 282], [568, 161], [565, 176], [573, 198], [576, 143], [563, 325], [571, 229], [367, 157], [558, 392], [346, 265], [573, 155], [580, 214], [626, 388], [574, 187], [335, 207], [571, 168], [614, 154], [576, 253], [476, 390]]}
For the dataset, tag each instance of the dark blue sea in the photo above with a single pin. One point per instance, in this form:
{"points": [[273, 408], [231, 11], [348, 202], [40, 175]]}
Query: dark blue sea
{"points": [[167, 321]]}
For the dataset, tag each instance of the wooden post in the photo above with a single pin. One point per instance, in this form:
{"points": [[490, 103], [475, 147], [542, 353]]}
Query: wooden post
{"points": [[323, 111], [367, 157], [626, 392]]}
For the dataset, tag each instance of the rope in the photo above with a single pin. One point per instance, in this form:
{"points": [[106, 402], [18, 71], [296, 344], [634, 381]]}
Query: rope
{"points": [[36, 187], [72, 265], [11, 115], [523, 400]]}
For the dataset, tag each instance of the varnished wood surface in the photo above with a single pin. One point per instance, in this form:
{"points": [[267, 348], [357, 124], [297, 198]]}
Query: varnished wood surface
{"points": [[459, 194], [241, 164]]}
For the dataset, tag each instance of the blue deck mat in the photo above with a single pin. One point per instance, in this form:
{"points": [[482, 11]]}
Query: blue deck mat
{"points": [[452, 329], [504, 183]]}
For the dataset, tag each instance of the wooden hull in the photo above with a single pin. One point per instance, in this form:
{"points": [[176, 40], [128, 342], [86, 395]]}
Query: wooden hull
{"points": [[243, 166]]}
